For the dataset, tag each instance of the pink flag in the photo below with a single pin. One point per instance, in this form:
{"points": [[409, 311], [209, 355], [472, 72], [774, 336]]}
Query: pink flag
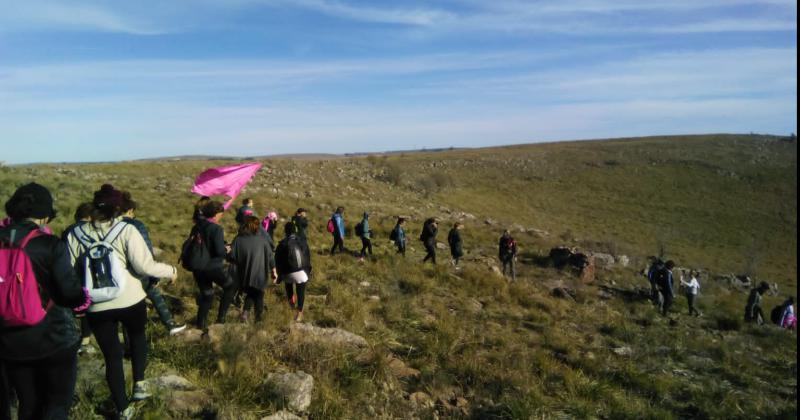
{"points": [[225, 180]]}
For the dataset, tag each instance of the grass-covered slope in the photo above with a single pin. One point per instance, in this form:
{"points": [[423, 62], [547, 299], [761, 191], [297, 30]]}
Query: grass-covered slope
{"points": [[485, 348]]}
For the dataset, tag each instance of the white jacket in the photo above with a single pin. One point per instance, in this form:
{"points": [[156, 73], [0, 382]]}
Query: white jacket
{"points": [[132, 250]]}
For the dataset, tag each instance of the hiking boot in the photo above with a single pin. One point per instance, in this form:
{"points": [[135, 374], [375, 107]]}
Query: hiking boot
{"points": [[298, 317], [128, 413], [140, 391], [175, 328]]}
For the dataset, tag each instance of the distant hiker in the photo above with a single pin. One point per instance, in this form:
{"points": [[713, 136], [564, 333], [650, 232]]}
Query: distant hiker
{"points": [[655, 266], [336, 229], [111, 275], [752, 311], [293, 263], [428, 237], [507, 253], [692, 286], [269, 224], [149, 283], [787, 318], [363, 232], [38, 342], [398, 236], [198, 209], [83, 215], [203, 254], [665, 286], [300, 223], [245, 210], [255, 265], [455, 242]]}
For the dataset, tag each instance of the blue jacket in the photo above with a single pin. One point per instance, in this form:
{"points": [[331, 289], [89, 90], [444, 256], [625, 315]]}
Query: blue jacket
{"points": [[401, 236], [338, 221]]}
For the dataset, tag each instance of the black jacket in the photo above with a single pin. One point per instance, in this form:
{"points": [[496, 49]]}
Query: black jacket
{"points": [[281, 257], [214, 238], [429, 232], [254, 260], [507, 248], [454, 240], [300, 226], [57, 331]]}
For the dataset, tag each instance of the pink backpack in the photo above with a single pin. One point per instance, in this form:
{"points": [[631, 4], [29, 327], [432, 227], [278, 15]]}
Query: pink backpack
{"points": [[20, 302], [265, 223]]}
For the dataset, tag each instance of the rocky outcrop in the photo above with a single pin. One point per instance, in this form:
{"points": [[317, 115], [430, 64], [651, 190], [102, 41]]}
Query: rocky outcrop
{"points": [[295, 388], [330, 336]]}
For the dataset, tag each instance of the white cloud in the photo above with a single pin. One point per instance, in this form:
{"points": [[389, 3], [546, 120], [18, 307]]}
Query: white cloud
{"points": [[71, 16]]}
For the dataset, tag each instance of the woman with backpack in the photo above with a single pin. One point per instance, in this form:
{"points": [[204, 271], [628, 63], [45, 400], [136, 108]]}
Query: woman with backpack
{"points": [[362, 231], [428, 237], [206, 260], [507, 253], [455, 242], [293, 263], [398, 235], [269, 224], [252, 254], [788, 319], [38, 347], [118, 296]]}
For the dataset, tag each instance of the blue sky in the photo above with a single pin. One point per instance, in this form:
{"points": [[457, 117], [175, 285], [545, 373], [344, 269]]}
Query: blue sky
{"points": [[108, 80]]}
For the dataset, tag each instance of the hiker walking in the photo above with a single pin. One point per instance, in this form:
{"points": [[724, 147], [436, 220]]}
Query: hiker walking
{"points": [[362, 231], [245, 210], [398, 236], [118, 296], [752, 310], [428, 237], [336, 229], [665, 285], [293, 263], [83, 215], [507, 249], [204, 254], [38, 343], [692, 286], [655, 266], [255, 265], [149, 283], [788, 319], [455, 242], [299, 223], [269, 224]]}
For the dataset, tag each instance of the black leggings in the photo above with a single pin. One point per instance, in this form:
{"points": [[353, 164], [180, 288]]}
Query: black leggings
{"points": [[430, 247], [45, 387], [205, 282], [338, 243], [255, 297], [105, 326], [301, 293], [366, 247]]}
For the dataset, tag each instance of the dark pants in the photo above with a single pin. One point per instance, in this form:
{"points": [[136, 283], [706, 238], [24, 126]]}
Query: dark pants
{"points": [[690, 299], [45, 387], [301, 293], [668, 299], [430, 248], [105, 326], [366, 246], [158, 301], [754, 314], [510, 267], [5, 394], [205, 282], [254, 297], [86, 331], [338, 243], [401, 248]]}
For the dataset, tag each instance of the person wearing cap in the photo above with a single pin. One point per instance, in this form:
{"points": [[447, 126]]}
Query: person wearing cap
{"points": [[41, 360], [366, 236], [300, 223], [128, 308]]}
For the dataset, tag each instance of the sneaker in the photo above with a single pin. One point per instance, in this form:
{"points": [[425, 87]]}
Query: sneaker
{"points": [[298, 317], [128, 413], [140, 391], [176, 328]]}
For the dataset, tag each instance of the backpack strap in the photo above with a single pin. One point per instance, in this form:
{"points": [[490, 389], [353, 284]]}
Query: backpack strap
{"points": [[115, 231], [32, 234]]}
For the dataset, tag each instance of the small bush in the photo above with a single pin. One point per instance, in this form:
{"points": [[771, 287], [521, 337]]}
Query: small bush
{"points": [[729, 324]]}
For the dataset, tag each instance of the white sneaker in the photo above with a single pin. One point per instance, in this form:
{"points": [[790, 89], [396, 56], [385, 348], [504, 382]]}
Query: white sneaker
{"points": [[128, 413], [177, 329], [140, 391]]}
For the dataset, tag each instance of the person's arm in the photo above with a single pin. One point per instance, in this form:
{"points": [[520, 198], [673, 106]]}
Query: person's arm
{"points": [[66, 289], [669, 283], [216, 241], [141, 259]]}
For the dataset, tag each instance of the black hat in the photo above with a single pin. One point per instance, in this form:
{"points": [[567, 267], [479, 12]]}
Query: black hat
{"points": [[31, 200], [109, 196]]}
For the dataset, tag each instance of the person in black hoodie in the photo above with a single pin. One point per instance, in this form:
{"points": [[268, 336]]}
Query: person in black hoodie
{"points": [[428, 237], [214, 239], [455, 242], [299, 223], [293, 264], [41, 360]]}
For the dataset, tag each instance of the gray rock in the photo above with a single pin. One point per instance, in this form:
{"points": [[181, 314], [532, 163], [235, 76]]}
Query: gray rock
{"points": [[603, 260], [188, 403], [623, 260], [282, 415], [332, 336], [172, 383], [440, 245], [624, 351], [296, 388]]}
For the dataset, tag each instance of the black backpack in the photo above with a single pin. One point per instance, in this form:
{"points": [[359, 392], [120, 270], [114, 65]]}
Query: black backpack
{"points": [[394, 234], [360, 229], [776, 314], [661, 275], [295, 254], [194, 253]]}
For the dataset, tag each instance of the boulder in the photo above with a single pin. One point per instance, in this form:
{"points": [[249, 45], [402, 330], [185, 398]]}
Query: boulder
{"points": [[296, 388], [190, 335], [190, 404], [330, 336], [282, 415], [172, 383], [623, 260], [603, 260], [440, 245]]}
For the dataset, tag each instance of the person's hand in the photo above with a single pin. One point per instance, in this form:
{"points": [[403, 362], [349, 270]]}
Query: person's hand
{"points": [[174, 275], [274, 275]]}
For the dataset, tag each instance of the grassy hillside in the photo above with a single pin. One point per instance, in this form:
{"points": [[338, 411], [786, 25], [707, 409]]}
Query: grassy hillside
{"points": [[485, 348]]}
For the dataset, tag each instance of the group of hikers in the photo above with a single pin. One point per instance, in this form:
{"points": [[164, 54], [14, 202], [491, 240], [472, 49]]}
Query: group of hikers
{"points": [[102, 269], [662, 291]]}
